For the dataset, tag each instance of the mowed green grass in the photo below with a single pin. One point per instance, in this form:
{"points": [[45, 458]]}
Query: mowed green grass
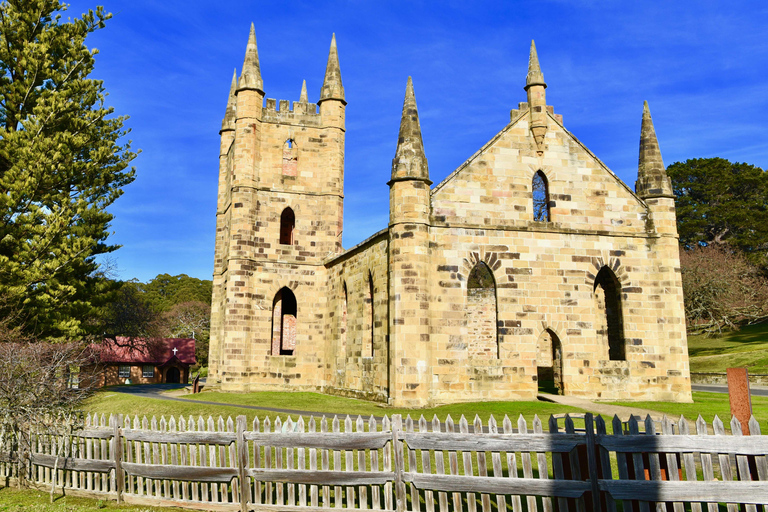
{"points": [[109, 401], [747, 347], [29, 500]]}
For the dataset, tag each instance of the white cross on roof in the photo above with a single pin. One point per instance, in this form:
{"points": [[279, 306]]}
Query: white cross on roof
{"points": [[175, 350]]}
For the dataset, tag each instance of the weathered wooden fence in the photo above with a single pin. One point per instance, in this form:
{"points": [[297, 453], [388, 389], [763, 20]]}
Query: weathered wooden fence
{"points": [[406, 465]]}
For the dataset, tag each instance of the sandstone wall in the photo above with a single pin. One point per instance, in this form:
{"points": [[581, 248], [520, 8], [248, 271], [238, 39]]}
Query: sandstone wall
{"points": [[545, 272], [358, 353]]}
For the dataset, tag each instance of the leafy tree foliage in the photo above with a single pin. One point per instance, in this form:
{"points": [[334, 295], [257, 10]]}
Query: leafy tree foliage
{"points": [[191, 320], [165, 291], [61, 166], [722, 289], [719, 202], [129, 314], [167, 306]]}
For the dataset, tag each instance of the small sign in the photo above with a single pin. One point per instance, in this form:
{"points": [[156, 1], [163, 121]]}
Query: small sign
{"points": [[738, 393]]}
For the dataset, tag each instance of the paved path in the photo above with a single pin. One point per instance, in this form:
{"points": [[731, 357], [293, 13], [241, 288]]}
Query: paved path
{"points": [[603, 409], [173, 392]]}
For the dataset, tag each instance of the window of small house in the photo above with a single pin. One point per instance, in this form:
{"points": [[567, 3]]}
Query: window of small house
{"points": [[148, 371], [123, 371]]}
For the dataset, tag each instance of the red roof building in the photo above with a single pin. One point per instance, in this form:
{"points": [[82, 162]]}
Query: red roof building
{"points": [[152, 361]]}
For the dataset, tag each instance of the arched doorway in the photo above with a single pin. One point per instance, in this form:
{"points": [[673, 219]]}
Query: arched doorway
{"points": [[549, 363], [609, 313], [172, 375]]}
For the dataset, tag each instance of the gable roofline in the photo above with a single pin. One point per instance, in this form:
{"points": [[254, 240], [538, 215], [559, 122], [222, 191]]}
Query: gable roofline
{"points": [[335, 258], [600, 162], [477, 153], [508, 127]]}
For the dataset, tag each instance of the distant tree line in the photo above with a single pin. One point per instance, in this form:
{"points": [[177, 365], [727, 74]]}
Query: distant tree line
{"points": [[166, 306]]}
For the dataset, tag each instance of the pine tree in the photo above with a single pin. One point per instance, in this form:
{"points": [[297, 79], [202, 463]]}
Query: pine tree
{"points": [[722, 203], [62, 163]]}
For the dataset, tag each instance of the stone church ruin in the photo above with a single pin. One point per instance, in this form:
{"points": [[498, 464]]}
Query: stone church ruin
{"points": [[531, 261]]}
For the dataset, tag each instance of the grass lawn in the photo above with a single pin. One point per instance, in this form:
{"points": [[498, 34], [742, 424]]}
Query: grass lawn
{"points": [[28, 500], [746, 347], [708, 405], [109, 401]]}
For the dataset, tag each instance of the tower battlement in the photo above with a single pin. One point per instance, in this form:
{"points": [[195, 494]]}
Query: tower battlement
{"points": [[296, 112]]}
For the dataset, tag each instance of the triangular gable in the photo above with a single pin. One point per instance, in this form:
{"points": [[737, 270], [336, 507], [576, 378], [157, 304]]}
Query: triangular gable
{"points": [[467, 163]]}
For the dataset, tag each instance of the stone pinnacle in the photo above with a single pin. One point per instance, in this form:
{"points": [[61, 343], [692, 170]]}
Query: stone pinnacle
{"points": [[250, 78], [332, 87], [535, 76], [410, 162], [231, 113], [652, 179], [303, 95]]}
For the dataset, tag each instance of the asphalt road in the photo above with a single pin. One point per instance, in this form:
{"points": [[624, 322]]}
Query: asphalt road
{"points": [[722, 388]]}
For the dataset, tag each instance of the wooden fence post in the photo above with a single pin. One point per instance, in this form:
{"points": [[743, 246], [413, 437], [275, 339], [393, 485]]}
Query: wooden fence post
{"points": [[117, 454], [589, 428], [242, 463], [397, 446]]}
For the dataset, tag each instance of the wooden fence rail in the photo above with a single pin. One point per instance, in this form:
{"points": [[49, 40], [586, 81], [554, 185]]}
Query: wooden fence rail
{"points": [[405, 465]]}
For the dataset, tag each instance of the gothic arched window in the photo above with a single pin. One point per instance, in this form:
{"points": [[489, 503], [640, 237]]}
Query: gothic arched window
{"points": [[287, 223], [540, 190], [482, 333], [608, 296], [369, 309], [343, 327], [284, 310], [290, 158]]}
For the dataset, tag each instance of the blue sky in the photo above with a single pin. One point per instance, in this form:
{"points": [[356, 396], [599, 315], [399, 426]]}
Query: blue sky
{"points": [[702, 66]]}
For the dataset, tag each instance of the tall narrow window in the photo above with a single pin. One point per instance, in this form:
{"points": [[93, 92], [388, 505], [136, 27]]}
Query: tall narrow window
{"points": [[482, 331], [290, 158], [287, 223], [343, 326], [611, 324], [540, 190], [284, 311], [369, 309]]}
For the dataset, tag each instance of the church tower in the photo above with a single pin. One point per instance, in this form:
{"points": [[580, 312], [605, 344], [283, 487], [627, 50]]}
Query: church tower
{"points": [[279, 217]]}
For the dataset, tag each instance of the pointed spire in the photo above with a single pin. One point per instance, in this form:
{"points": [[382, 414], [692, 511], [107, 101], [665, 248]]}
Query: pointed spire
{"points": [[231, 113], [303, 96], [250, 78], [535, 76], [410, 162], [652, 178], [332, 87]]}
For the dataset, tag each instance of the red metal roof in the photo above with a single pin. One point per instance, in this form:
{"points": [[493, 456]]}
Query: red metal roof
{"points": [[157, 351]]}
